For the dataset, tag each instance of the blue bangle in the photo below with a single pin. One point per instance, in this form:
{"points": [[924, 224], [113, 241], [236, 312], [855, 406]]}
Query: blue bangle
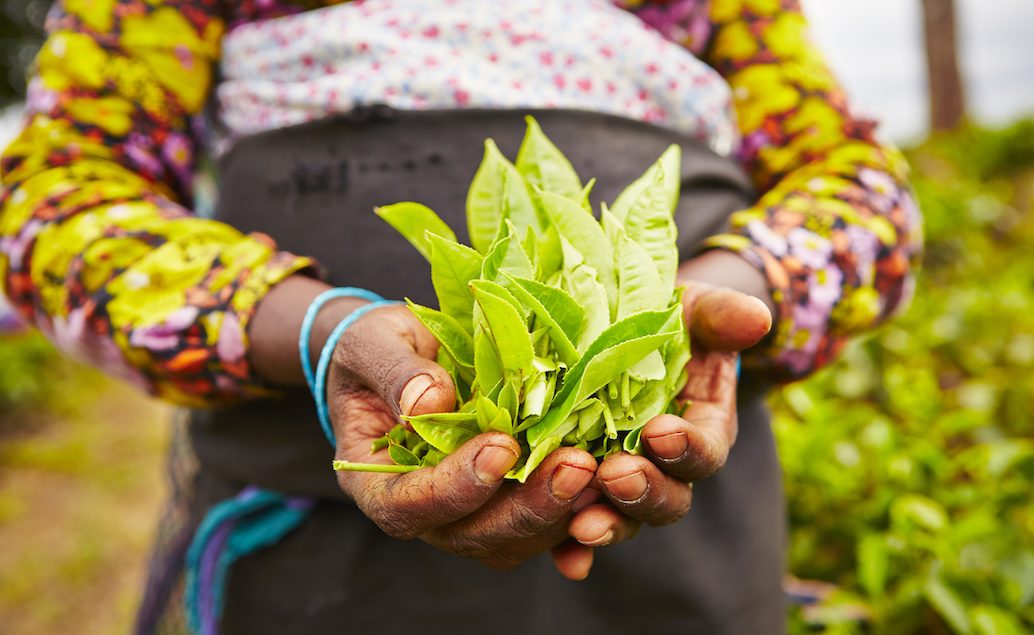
{"points": [[305, 334], [319, 392], [739, 366]]}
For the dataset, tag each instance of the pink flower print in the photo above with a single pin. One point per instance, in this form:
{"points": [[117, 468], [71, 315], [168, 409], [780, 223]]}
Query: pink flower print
{"points": [[811, 249], [763, 236], [230, 346], [164, 336], [70, 335], [825, 288], [865, 246], [15, 247], [178, 153], [40, 98], [138, 149], [184, 57]]}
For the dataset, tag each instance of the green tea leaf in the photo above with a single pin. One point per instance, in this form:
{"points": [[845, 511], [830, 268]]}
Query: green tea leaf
{"points": [[497, 192], [453, 266], [538, 454], [447, 431], [432, 458], [633, 441], [590, 417], [650, 223], [501, 292], [537, 395], [610, 363], [639, 284], [415, 222], [581, 283], [563, 310], [401, 456], [509, 332], [488, 368], [584, 234], [526, 291], [613, 352], [650, 368], [515, 259], [549, 255], [509, 395], [584, 199], [671, 164], [501, 423], [543, 165], [456, 341]]}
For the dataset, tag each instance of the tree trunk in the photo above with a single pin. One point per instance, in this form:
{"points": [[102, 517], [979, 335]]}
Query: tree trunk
{"points": [[947, 99]]}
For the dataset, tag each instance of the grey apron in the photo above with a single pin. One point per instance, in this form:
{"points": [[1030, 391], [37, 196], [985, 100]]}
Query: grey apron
{"points": [[312, 188]]}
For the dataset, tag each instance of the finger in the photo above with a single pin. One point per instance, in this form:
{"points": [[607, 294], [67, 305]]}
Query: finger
{"points": [[535, 509], [722, 319], [694, 449], [641, 491], [601, 525], [572, 560], [390, 352], [411, 504]]}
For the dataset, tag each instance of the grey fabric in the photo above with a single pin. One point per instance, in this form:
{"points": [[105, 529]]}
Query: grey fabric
{"points": [[312, 188]]}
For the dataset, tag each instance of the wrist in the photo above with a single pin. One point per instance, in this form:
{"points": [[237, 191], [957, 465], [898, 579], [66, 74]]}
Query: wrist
{"points": [[723, 268], [275, 328]]}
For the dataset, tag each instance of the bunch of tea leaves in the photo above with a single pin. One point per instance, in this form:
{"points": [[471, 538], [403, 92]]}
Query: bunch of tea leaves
{"points": [[557, 329]]}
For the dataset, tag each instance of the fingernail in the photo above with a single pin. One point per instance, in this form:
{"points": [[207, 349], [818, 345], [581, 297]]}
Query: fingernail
{"points": [[493, 462], [568, 481], [603, 540], [670, 446], [628, 488], [414, 390], [586, 498]]}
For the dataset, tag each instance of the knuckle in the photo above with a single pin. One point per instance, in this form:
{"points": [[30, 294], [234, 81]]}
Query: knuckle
{"points": [[395, 524], [466, 545], [527, 522]]}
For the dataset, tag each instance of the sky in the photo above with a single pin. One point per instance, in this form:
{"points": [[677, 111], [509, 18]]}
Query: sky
{"points": [[876, 49]]}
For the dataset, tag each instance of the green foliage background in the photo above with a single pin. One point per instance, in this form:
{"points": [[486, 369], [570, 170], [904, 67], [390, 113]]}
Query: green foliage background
{"points": [[909, 464]]}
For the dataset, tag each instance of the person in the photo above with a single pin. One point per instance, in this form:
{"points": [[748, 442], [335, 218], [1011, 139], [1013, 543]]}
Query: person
{"points": [[313, 114]]}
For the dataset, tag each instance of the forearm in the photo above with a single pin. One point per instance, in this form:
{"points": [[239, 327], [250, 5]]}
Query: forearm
{"points": [[835, 231]]}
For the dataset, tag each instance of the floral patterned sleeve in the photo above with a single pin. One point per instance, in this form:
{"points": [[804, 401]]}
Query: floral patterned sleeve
{"points": [[97, 245], [836, 229]]}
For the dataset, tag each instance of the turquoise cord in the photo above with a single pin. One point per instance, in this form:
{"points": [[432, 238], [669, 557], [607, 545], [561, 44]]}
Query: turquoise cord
{"points": [[319, 391], [305, 334]]}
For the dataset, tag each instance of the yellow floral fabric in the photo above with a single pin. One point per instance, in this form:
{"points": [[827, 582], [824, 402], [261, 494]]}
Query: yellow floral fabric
{"points": [[836, 229], [99, 249], [97, 244]]}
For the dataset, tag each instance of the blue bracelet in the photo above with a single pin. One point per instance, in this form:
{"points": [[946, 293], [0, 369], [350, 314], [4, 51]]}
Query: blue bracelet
{"points": [[319, 392], [739, 366], [305, 334]]}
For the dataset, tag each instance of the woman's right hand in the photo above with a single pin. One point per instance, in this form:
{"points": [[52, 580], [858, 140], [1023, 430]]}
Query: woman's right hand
{"points": [[383, 368]]}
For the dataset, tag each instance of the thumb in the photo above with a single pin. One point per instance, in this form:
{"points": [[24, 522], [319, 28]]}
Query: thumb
{"points": [[721, 319], [391, 353]]}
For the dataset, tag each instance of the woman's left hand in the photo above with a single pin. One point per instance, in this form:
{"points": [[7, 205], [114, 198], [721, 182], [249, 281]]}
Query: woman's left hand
{"points": [[656, 488]]}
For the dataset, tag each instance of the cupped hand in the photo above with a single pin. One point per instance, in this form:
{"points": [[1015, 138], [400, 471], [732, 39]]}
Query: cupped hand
{"points": [[656, 488], [383, 368]]}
